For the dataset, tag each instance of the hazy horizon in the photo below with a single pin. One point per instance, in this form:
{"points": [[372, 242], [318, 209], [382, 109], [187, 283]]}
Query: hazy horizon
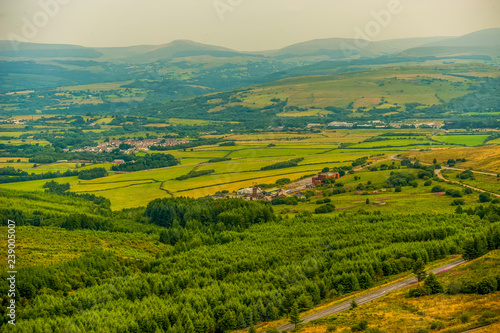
{"points": [[238, 24]]}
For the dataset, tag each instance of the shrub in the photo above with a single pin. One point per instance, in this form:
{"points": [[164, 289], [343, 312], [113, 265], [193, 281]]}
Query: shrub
{"points": [[454, 193], [328, 208], [432, 283], [488, 314], [338, 190], [398, 189], [465, 317], [487, 286], [428, 183], [331, 328], [373, 330], [437, 325], [466, 175], [360, 327], [438, 188], [468, 190], [458, 202], [419, 291], [484, 197], [400, 179]]}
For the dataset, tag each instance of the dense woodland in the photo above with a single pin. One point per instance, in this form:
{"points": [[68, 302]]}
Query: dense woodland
{"points": [[229, 264]]}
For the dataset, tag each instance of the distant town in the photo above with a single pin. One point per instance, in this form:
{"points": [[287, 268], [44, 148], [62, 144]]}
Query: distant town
{"points": [[129, 146]]}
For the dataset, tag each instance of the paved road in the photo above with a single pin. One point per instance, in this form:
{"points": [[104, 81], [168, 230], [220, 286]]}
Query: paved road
{"points": [[369, 297], [438, 173]]}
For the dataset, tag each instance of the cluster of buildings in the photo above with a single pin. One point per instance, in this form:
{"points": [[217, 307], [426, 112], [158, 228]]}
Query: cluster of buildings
{"points": [[256, 193], [136, 145], [13, 121]]}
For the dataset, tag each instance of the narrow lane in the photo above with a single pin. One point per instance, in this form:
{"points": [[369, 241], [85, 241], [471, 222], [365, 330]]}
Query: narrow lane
{"points": [[369, 297]]}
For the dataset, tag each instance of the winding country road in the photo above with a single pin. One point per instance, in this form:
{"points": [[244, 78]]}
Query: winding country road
{"points": [[439, 175], [369, 297]]}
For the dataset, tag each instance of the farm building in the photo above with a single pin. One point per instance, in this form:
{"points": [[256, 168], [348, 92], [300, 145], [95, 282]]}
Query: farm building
{"points": [[281, 193], [245, 191], [319, 178]]}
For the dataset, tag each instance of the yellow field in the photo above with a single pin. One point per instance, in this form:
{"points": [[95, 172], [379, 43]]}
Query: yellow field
{"points": [[486, 158]]}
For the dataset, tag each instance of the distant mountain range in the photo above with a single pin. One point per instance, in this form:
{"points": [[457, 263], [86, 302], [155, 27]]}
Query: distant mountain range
{"points": [[484, 42]]}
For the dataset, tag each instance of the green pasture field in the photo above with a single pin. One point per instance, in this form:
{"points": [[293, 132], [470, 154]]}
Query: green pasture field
{"points": [[97, 187], [37, 185], [278, 136], [236, 166], [302, 145], [395, 143], [106, 166], [332, 157], [104, 120], [134, 196], [277, 152], [22, 165], [156, 174], [227, 149], [481, 181], [467, 140], [15, 134], [11, 126], [206, 154], [193, 161], [56, 166]]}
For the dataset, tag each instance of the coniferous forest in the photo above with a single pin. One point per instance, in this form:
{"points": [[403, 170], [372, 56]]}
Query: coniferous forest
{"points": [[230, 264]]}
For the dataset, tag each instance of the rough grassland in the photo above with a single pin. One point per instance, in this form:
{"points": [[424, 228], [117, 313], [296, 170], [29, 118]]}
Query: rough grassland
{"points": [[486, 158]]}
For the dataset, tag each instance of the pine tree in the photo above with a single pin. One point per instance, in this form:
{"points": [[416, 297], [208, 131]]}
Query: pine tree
{"points": [[295, 315], [469, 249], [432, 283], [241, 321], [270, 313], [419, 270], [354, 305]]}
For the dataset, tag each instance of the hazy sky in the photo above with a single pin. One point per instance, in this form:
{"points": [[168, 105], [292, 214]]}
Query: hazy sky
{"points": [[245, 25]]}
